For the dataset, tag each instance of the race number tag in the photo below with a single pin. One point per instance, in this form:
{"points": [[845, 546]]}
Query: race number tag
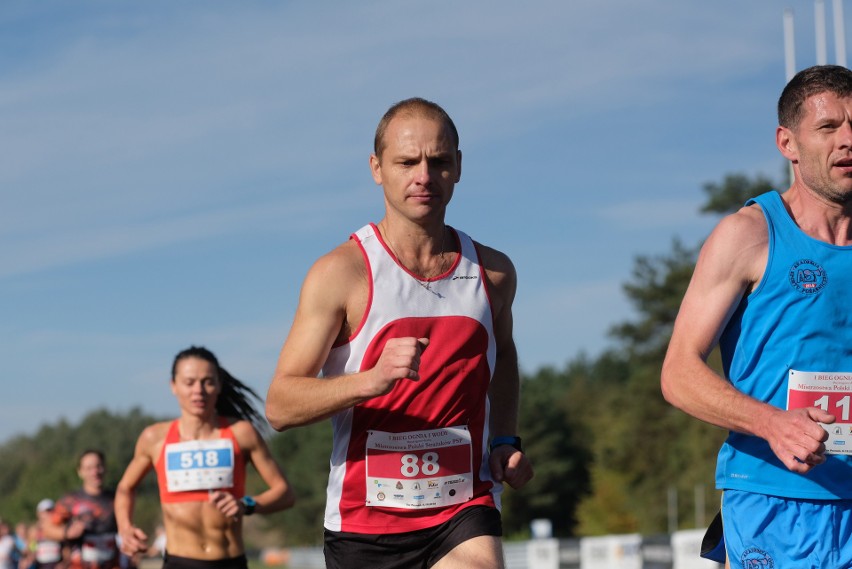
{"points": [[419, 469], [831, 392], [200, 465], [98, 548], [48, 551]]}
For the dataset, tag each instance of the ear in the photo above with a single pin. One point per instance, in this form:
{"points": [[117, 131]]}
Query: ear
{"points": [[172, 385], [376, 169], [459, 162], [786, 143]]}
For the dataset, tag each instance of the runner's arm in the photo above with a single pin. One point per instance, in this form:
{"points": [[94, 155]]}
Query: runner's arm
{"points": [[133, 539], [730, 262], [296, 395], [57, 525], [507, 463], [279, 495]]}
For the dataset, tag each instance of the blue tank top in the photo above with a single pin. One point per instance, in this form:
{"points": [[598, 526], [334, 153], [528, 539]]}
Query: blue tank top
{"points": [[798, 317]]}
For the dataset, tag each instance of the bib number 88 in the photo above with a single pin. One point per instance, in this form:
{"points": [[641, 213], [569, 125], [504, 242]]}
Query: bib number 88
{"points": [[412, 466]]}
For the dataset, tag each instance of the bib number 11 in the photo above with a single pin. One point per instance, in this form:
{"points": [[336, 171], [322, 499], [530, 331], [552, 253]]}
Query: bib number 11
{"points": [[843, 404]]}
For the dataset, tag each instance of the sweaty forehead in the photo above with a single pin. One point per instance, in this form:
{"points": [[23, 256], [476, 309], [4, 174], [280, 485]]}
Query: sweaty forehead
{"points": [[827, 103]]}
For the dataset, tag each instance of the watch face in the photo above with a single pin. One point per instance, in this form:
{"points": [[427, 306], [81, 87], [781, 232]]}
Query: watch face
{"points": [[249, 503]]}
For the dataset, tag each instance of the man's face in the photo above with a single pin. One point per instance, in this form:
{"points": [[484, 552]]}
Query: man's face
{"points": [[822, 144], [418, 168], [91, 471], [196, 386]]}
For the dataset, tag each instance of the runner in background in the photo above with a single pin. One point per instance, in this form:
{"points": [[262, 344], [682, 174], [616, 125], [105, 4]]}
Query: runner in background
{"points": [[7, 546], [85, 520], [200, 460], [48, 552]]}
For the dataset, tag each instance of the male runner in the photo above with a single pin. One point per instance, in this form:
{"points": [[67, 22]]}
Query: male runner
{"points": [[772, 288], [85, 520], [410, 323]]}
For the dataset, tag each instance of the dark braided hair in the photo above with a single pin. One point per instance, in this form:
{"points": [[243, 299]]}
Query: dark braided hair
{"points": [[235, 397]]}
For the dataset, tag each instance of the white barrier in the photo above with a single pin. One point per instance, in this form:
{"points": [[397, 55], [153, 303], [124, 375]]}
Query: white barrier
{"points": [[686, 546], [631, 551], [543, 554], [611, 552]]}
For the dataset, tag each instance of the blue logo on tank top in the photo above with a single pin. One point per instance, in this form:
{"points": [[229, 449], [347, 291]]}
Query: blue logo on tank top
{"points": [[807, 276]]}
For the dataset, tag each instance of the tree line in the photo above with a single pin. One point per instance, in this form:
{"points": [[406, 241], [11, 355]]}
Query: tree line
{"points": [[607, 449]]}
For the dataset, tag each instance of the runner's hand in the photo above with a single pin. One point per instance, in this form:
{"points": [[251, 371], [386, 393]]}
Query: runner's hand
{"points": [[797, 439], [400, 359], [133, 541], [510, 465], [75, 530], [226, 503]]}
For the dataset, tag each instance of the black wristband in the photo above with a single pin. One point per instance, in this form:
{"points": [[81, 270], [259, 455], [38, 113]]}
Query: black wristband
{"points": [[511, 441]]}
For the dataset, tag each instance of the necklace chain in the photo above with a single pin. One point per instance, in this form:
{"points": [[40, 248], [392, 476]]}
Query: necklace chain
{"points": [[427, 284]]}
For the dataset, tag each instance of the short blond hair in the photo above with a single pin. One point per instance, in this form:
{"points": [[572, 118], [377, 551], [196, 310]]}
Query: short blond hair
{"points": [[414, 106]]}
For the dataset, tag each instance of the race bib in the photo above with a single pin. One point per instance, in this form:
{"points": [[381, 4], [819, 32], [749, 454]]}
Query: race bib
{"points": [[48, 551], [831, 392], [419, 469], [199, 465], [98, 548]]}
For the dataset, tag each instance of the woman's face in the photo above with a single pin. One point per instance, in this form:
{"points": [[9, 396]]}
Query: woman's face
{"points": [[196, 386]]}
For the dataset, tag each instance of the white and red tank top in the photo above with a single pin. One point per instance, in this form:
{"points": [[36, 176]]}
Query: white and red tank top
{"points": [[415, 457]]}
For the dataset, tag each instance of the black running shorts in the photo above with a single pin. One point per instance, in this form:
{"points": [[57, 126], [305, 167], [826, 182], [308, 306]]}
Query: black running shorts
{"points": [[175, 562], [416, 549]]}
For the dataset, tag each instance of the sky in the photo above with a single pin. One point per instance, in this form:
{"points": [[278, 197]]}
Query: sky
{"points": [[169, 171]]}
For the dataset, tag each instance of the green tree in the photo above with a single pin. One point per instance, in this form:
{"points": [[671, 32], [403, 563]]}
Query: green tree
{"points": [[559, 459], [45, 465], [303, 454], [730, 195]]}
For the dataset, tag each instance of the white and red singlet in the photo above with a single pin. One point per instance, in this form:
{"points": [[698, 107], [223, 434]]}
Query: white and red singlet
{"points": [[413, 458]]}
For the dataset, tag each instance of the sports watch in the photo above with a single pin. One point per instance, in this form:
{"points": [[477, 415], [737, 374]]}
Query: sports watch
{"points": [[249, 505], [511, 441]]}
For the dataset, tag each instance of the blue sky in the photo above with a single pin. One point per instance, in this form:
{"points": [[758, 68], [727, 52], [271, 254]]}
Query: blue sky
{"points": [[170, 170]]}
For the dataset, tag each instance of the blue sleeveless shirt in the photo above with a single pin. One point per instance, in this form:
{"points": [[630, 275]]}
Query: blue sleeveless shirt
{"points": [[798, 317]]}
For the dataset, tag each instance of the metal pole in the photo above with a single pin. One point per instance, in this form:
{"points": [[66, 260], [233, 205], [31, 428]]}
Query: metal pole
{"points": [[699, 505], [819, 20], [789, 61], [839, 34], [789, 45], [672, 509]]}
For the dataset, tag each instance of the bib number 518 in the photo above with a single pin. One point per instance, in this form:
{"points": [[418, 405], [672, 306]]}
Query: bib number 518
{"points": [[199, 459], [412, 465]]}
